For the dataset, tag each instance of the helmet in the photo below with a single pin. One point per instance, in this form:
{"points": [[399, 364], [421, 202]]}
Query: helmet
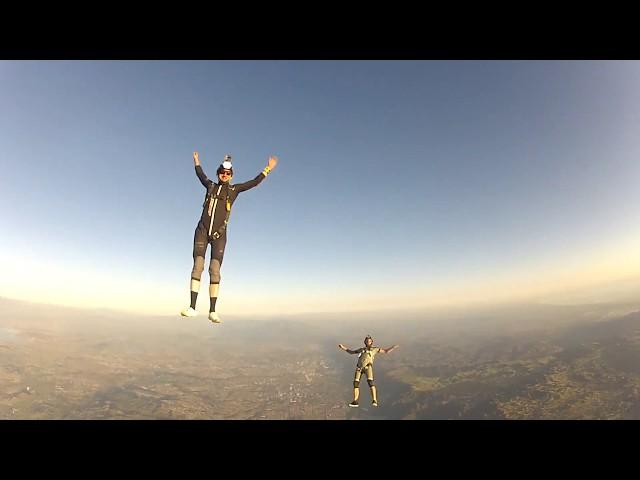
{"points": [[225, 165]]}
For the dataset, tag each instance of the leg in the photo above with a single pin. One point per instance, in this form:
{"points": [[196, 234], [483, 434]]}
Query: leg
{"points": [[356, 387], [217, 255], [199, 251], [372, 386], [196, 273]]}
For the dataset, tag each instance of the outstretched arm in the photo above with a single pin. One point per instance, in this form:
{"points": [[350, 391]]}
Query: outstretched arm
{"points": [[241, 187], [199, 172], [352, 352], [387, 350]]}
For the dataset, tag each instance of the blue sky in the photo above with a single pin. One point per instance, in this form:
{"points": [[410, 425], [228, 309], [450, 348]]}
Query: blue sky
{"points": [[398, 182]]}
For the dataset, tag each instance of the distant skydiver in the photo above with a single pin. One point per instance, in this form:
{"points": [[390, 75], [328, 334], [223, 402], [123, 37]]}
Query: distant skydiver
{"points": [[366, 356], [212, 227]]}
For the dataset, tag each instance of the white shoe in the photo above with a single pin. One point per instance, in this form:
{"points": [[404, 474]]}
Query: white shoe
{"points": [[189, 312], [213, 316]]}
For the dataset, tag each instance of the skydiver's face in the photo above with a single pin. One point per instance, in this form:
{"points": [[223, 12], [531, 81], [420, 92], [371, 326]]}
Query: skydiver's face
{"points": [[224, 176]]}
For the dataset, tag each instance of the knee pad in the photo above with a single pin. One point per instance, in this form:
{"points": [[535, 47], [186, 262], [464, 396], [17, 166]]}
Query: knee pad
{"points": [[356, 384], [198, 268], [371, 383], [214, 271]]}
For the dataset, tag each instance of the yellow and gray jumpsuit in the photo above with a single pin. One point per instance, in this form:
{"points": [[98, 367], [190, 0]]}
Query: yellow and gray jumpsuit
{"points": [[365, 364], [212, 227]]}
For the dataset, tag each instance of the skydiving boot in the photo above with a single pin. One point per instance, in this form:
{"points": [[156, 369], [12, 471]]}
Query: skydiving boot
{"points": [[356, 395], [189, 312]]}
